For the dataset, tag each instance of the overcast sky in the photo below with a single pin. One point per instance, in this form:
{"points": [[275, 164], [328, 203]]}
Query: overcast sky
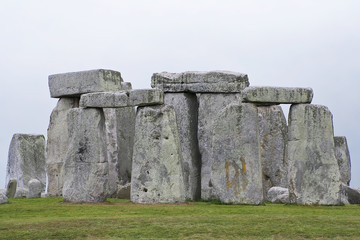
{"points": [[304, 43]]}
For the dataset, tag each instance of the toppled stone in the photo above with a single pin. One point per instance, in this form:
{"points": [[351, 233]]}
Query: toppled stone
{"points": [[210, 105], [3, 198], [185, 105], [11, 188], [157, 175], [44, 195], [314, 174], [85, 171], [235, 175], [131, 98], [349, 195], [120, 131], [77, 83], [278, 195], [123, 191], [35, 188], [26, 159], [21, 193], [57, 144], [277, 95], [200, 82], [273, 138], [343, 158]]}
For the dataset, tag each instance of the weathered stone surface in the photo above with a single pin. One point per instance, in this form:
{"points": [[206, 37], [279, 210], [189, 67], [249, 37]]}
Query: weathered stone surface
{"points": [[85, 171], [343, 157], [35, 189], [277, 95], [273, 138], [200, 82], [123, 191], [77, 83], [3, 198], [11, 188], [126, 86], [57, 144], [157, 175], [314, 174], [21, 192], [186, 108], [26, 159], [278, 195], [235, 175], [120, 131], [130, 98], [349, 195], [210, 105]]}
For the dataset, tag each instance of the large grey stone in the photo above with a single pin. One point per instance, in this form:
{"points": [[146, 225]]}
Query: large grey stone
{"points": [[57, 144], [35, 189], [77, 83], [186, 108], [130, 98], [3, 198], [343, 157], [210, 105], [26, 159], [120, 131], [200, 82], [21, 193], [85, 171], [277, 95], [349, 195], [278, 195], [157, 171], [11, 188], [235, 175], [273, 138], [314, 176]]}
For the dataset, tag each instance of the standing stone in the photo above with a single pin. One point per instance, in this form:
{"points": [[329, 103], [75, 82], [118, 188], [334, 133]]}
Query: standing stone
{"points": [[35, 189], [11, 188], [120, 131], [186, 108], [85, 171], [57, 144], [273, 137], [3, 198], [157, 172], [26, 159], [343, 157], [235, 175], [314, 176], [210, 105]]}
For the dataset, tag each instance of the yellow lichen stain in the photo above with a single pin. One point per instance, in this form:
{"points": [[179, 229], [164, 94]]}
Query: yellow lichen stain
{"points": [[243, 164], [238, 182]]}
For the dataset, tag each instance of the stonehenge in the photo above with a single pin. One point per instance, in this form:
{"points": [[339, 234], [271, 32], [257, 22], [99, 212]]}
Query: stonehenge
{"points": [[192, 136]]}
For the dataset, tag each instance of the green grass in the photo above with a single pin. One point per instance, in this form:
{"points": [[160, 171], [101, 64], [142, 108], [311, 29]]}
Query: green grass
{"points": [[50, 218]]}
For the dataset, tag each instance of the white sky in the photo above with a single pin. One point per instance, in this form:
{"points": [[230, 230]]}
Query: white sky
{"points": [[305, 43]]}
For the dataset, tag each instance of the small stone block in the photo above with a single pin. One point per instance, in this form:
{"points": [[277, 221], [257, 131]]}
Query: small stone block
{"points": [[146, 97]]}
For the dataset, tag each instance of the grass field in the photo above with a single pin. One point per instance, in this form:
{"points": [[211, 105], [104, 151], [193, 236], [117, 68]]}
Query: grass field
{"points": [[50, 218]]}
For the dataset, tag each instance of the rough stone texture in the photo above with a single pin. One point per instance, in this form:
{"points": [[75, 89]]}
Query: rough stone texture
{"points": [[11, 188], [35, 189], [278, 195], [21, 192], [77, 83], [85, 171], [273, 138], [343, 157], [130, 98], [123, 191], [186, 108], [349, 195], [157, 171], [210, 105], [57, 144], [235, 175], [314, 176], [126, 86], [120, 131], [200, 82], [3, 198], [277, 95], [26, 159]]}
